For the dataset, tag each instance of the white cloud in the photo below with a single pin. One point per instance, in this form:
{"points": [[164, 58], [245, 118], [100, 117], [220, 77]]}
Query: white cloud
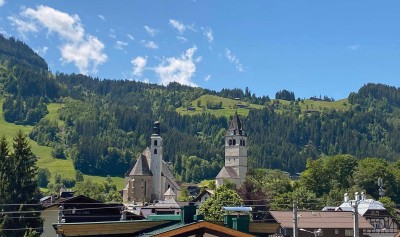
{"points": [[84, 54], [3, 32], [207, 78], [2, 2], [207, 32], [151, 31], [42, 51], [138, 65], [112, 34], [120, 44], [23, 26], [149, 44], [84, 50], [182, 39], [130, 37], [177, 25], [353, 47], [233, 59], [69, 27], [179, 69], [101, 17]]}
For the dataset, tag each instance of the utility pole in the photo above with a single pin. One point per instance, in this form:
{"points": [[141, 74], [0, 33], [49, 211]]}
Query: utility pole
{"points": [[355, 206], [295, 228]]}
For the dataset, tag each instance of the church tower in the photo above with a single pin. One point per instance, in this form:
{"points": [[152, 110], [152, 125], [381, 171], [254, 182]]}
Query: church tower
{"points": [[156, 150], [235, 168]]}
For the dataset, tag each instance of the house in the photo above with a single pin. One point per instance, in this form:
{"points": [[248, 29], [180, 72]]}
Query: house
{"points": [[385, 225], [202, 197], [187, 223], [338, 224], [79, 209], [235, 168], [150, 177], [165, 207]]}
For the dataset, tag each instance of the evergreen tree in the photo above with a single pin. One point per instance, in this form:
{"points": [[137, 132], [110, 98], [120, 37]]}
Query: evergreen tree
{"points": [[4, 169], [21, 190]]}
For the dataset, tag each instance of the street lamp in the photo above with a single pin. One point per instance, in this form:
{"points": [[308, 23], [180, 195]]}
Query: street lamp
{"points": [[315, 232]]}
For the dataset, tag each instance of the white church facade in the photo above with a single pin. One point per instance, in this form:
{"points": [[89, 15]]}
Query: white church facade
{"points": [[150, 179]]}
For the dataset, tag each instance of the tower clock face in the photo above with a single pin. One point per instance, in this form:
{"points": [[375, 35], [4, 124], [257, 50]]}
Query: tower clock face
{"points": [[231, 133]]}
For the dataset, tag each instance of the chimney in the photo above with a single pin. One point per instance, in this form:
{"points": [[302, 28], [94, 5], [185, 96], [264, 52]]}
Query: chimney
{"points": [[357, 196], [346, 197], [188, 213], [363, 196], [241, 223]]}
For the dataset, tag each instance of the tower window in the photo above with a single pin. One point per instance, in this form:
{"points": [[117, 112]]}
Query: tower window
{"points": [[244, 143], [155, 142], [234, 141], [241, 142], [155, 151], [230, 142]]}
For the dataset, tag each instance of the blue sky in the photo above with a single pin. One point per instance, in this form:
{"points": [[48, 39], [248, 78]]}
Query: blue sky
{"points": [[310, 47]]}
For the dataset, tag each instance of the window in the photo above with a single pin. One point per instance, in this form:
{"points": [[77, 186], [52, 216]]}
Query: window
{"points": [[230, 142], [244, 143], [155, 151], [155, 142], [145, 188], [241, 142], [234, 142], [348, 232], [336, 231]]}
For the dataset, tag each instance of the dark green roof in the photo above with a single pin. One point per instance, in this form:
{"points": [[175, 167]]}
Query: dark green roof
{"points": [[158, 230]]}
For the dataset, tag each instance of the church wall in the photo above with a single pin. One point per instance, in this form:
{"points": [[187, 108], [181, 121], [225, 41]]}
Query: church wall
{"points": [[141, 188]]}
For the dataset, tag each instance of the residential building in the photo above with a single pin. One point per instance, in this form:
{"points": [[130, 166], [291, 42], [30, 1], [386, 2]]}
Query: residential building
{"points": [[337, 224]]}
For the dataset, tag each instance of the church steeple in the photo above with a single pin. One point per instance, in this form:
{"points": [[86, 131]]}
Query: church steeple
{"points": [[156, 148], [235, 168], [235, 127]]}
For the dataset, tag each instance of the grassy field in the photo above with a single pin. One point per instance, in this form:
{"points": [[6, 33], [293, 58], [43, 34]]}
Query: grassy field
{"points": [[228, 106], [63, 167]]}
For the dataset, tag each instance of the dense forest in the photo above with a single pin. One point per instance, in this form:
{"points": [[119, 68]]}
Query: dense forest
{"points": [[108, 122]]}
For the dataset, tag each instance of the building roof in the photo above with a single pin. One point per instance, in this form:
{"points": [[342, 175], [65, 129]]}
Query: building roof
{"points": [[141, 167], [146, 152], [169, 192], [198, 198], [319, 220], [49, 202], [180, 229], [363, 206], [168, 174], [236, 126], [227, 172]]}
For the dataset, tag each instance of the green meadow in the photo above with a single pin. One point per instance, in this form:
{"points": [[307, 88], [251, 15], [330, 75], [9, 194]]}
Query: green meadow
{"points": [[45, 160], [229, 106]]}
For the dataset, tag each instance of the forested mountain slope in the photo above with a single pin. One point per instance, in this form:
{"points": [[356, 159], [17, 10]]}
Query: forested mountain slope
{"points": [[107, 123]]}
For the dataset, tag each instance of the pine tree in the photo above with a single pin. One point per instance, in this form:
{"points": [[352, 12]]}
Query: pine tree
{"points": [[20, 189], [4, 169]]}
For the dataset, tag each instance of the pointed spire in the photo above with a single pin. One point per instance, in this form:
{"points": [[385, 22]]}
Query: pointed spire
{"points": [[235, 127]]}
